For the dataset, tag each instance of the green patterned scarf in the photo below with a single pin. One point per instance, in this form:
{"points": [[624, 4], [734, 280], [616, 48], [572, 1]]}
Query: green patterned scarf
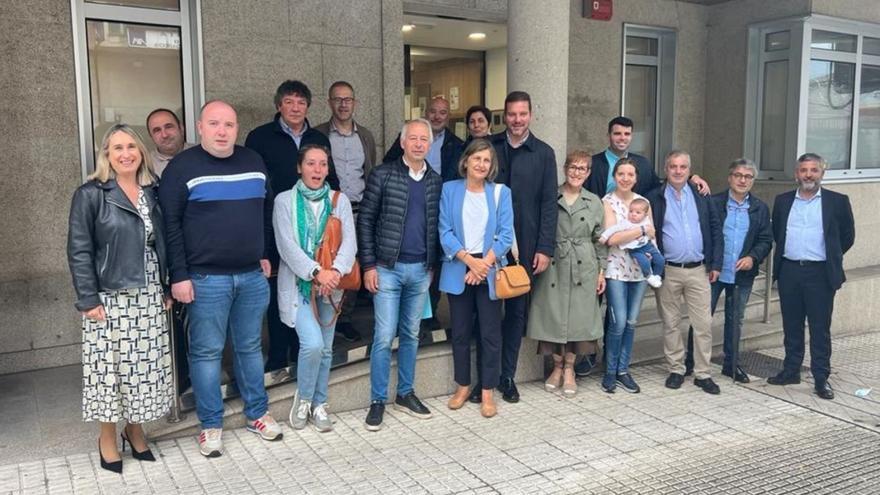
{"points": [[309, 228]]}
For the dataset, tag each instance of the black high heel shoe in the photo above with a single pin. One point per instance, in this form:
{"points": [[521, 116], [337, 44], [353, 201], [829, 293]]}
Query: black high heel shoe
{"points": [[115, 466], [146, 455]]}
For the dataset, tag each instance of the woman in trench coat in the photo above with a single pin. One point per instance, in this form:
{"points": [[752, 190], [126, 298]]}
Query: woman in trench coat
{"points": [[564, 316]]}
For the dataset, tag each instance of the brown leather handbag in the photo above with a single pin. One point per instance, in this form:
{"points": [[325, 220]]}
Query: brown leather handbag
{"points": [[512, 280], [329, 247]]}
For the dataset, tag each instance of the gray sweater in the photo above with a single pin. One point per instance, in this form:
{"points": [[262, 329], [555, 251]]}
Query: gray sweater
{"points": [[294, 261]]}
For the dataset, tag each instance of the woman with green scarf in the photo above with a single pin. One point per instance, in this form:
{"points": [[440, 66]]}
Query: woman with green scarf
{"points": [[299, 219]]}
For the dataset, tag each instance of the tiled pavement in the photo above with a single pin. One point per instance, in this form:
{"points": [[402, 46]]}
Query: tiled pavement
{"points": [[752, 440]]}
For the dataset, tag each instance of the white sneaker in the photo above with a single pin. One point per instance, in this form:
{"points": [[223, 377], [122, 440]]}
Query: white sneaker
{"points": [[655, 281], [321, 419], [211, 442], [266, 427], [299, 413]]}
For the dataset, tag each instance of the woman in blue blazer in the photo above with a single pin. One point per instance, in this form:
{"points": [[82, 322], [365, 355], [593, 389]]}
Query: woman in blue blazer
{"points": [[476, 231]]}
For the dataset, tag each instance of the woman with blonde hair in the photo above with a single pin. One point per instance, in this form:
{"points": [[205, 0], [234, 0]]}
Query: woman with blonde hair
{"points": [[116, 253]]}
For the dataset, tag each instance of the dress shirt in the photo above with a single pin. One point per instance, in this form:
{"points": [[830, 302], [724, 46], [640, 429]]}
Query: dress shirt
{"points": [[610, 185], [736, 226], [297, 138], [515, 146], [435, 158], [804, 234], [416, 176], [682, 237], [348, 158]]}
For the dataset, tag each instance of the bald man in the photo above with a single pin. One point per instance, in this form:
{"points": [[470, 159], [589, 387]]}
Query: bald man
{"points": [[218, 218]]}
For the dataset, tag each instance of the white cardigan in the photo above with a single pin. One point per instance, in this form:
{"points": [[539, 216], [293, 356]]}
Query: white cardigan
{"points": [[294, 261]]}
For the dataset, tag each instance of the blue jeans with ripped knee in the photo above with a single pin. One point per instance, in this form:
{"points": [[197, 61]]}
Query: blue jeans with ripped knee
{"points": [[624, 304]]}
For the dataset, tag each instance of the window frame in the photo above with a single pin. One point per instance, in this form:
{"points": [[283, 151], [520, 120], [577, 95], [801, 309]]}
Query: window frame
{"points": [[187, 19], [800, 55], [664, 61]]}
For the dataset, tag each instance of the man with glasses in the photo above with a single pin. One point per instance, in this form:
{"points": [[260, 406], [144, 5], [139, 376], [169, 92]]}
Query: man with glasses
{"points": [[353, 151], [745, 221]]}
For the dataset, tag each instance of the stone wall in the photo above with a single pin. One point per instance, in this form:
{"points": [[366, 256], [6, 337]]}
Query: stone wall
{"points": [[41, 168]]}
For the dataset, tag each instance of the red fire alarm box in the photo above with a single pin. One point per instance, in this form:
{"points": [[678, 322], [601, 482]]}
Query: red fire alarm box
{"points": [[597, 9]]}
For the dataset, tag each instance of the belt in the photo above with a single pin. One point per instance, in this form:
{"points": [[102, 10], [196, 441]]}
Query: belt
{"points": [[804, 262], [692, 264]]}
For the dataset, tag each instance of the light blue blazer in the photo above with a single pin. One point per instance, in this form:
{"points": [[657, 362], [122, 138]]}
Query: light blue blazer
{"points": [[498, 237]]}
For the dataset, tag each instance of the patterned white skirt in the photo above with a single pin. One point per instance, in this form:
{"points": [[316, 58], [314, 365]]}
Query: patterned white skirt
{"points": [[126, 358]]}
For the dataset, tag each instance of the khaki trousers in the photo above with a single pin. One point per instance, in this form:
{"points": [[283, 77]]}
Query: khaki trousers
{"points": [[690, 285]]}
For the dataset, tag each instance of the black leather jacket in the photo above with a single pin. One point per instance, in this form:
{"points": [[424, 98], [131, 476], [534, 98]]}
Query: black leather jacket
{"points": [[105, 241], [383, 212]]}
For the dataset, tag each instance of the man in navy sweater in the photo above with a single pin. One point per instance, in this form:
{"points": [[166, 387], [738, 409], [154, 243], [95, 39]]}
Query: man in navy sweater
{"points": [[218, 218]]}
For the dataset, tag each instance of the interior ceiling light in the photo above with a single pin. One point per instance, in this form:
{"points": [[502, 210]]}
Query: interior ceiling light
{"points": [[407, 28], [477, 36]]}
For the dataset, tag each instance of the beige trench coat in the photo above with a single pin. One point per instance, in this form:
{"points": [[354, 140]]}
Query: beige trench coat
{"points": [[564, 306]]}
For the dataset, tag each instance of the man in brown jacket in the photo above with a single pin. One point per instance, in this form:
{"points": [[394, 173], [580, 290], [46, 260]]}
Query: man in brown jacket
{"points": [[353, 151]]}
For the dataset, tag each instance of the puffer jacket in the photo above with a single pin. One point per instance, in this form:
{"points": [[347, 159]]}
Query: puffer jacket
{"points": [[383, 211], [106, 239]]}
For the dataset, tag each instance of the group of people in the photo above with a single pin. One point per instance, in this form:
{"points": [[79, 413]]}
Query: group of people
{"points": [[234, 233]]}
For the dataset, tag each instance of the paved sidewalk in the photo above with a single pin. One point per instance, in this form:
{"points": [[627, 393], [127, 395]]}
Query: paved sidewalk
{"points": [[660, 441]]}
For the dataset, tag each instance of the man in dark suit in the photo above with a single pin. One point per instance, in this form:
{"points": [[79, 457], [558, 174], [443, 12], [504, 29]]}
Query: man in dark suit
{"points": [[813, 228], [528, 166]]}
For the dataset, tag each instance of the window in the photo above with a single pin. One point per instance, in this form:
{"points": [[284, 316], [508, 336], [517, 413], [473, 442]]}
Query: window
{"points": [[814, 85], [648, 83], [133, 56]]}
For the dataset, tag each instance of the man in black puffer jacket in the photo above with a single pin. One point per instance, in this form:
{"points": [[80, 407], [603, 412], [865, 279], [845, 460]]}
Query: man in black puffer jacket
{"points": [[397, 242]]}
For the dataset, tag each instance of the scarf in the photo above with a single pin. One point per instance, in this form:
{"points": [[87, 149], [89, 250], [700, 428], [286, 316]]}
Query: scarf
{"points": [[309, 228]]}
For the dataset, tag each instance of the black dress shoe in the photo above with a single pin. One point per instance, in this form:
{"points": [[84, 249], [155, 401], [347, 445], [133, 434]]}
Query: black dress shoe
{"points": [[476, 395], [374, 416], [145, 455], [674, 381], [739, 376], [115, 466], [708, 386], [824, 391], [508, 390], [784, 378]]}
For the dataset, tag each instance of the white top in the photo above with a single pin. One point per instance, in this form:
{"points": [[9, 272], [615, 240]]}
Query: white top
{"points": [[474, 216], [620, 265], [625, 225]]}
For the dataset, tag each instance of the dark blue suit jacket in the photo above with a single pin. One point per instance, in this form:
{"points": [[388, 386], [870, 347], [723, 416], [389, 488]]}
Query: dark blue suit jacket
{"points": [[597, 182], [837, 223], [710, 227]]}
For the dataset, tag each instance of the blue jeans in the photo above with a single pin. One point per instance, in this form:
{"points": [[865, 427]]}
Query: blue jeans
{"points": [[650, 266], [624, 304], [731, 317], [315, 350], [224, 305], [398, 307]]}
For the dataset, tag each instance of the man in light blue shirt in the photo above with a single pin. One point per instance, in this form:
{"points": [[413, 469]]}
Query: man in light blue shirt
{"points": [[813, 228], [689, 236]]}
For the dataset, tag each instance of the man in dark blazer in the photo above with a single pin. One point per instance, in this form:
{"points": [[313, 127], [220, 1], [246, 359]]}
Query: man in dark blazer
{"points": [[813, 228], [689, 235], [528, 166], [620, 131]]}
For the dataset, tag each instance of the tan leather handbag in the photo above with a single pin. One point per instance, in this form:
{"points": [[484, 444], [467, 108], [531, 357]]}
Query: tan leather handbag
{"points": [[512, 280], [325, 255]]}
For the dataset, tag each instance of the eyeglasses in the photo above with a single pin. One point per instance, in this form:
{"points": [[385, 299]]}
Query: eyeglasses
{"points": [[579, 170], [347, 100], [739, 176]]}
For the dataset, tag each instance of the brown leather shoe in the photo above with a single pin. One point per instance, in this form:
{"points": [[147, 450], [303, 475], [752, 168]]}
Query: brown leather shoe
{"points": [[487, 406], [459, 397]]}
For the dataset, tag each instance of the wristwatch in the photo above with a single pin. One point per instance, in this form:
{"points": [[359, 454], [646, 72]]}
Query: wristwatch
{"points": [[316, 271]]}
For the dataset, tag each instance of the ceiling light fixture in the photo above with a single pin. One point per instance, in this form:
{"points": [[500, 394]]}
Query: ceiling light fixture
{"points": [[477, 36], [407, 28]]}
